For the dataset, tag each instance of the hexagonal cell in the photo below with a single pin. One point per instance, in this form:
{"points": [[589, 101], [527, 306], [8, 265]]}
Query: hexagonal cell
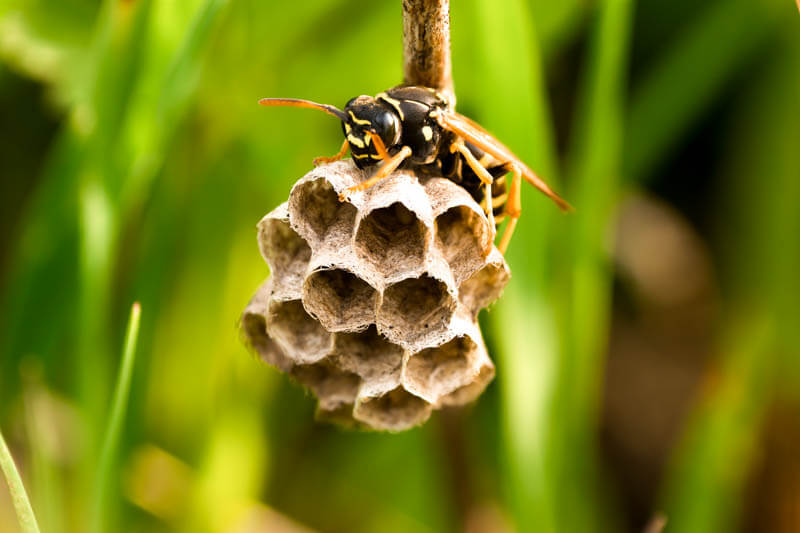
{"points": [[315, 209], [406, 246], [485, 285], [415, 308], [395, 410], [392, 239], [369, 355], [286, 252], [444, 194], [254, 326], [463, 236], [302, 338], [440, 370], [333, 387], [339, 299], [254, 329], [470, 392]]}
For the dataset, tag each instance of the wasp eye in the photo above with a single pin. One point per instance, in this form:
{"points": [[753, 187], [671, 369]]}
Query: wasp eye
{"points": [[388, 127]]}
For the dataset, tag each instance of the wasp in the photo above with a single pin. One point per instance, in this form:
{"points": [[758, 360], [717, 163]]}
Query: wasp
{"points": [[415, 127]]}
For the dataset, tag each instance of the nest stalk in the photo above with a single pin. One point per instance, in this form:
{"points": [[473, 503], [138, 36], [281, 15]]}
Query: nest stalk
{"points": [[426, 45]]}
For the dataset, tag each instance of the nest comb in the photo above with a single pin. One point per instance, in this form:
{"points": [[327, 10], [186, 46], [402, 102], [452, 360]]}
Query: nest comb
{"points": [[372, 304]]}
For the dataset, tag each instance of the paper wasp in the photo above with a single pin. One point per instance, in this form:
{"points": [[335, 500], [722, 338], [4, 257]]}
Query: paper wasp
{"points": [[416, 128]]}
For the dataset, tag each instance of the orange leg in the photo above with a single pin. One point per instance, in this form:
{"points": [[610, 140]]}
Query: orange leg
{"points": [[379, 146], [490, 216], [489, 210], [325, 160], [386, 168], [513, 208], [473, 163], [473, 133]]}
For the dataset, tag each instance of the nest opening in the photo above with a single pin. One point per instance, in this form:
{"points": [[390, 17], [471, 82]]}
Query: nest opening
{"points": [[297, 332], [340, 299], [254, 327], [372, 304], [463, 235], [437, 371], [319, 208], [395, 410], [286, 252], [255, 330], [368, 354], [483, 287], [470, 392], [333, 387], [393, 239], [415, 307]]}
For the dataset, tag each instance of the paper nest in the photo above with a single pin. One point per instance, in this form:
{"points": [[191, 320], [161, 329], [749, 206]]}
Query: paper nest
{"points": [[372, 303]]}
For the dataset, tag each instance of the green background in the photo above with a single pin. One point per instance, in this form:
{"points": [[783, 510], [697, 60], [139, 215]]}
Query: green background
{"points": [[135, 163]]}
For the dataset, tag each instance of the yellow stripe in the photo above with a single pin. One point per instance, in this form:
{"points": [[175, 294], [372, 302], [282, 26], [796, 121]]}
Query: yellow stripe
{"points": [[501, 180], [393, 102], [358, 120], [355, 141], [361, 156]]}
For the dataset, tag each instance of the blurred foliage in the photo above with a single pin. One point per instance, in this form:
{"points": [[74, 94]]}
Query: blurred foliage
{"points": [[135, 165]]}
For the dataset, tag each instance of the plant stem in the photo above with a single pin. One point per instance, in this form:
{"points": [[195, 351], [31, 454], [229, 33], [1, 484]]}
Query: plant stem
{"points": [[114, 429], [426, 45], [27, 520]]}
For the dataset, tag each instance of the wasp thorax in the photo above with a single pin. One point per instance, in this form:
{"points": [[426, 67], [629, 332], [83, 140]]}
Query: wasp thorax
{"points": [[372, 303], [367, 115]]}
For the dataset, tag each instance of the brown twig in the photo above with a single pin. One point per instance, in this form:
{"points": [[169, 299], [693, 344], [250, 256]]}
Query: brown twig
{"points": [[426, 45]]}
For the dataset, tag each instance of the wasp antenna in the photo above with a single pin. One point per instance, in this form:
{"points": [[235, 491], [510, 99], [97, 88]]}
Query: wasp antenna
{"points": [[294, 102]]}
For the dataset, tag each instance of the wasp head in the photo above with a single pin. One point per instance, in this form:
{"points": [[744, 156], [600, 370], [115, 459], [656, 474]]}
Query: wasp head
{"points": [[362, 117], [365, 115]]}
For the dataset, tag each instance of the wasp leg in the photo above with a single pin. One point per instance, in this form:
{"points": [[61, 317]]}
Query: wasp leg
{"points": [[489, 211], [492, 223], [385, 169], [325, 160], [379, 146], [474, 164], [513, 208], [480, 138]]}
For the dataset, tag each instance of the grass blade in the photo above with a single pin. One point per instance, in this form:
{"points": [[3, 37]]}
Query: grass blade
{"points": [[518, 112], [684, 83], [710, 482], [114, 429], [596, 154], [27, 520]]}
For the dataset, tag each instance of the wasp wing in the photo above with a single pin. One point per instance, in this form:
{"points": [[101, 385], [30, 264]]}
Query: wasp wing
{"points": [[474, 133]]}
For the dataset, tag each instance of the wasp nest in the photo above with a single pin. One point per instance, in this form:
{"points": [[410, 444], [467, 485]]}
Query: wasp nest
{"points": [[372, 303]]}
